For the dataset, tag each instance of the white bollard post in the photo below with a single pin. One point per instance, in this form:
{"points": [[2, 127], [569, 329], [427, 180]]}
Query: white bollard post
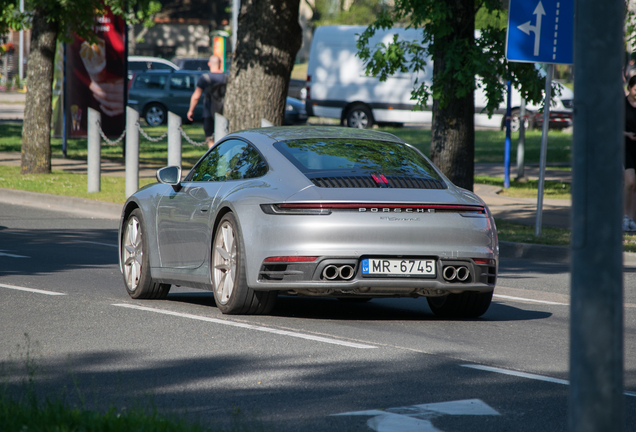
{"points": [[266, 123], [93, 159], [221, 127], [174, 139], [132, 151]]}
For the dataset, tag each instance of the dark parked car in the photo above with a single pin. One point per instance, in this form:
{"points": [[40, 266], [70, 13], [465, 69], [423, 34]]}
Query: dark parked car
{"points": [[155, 92], [143, 63]]}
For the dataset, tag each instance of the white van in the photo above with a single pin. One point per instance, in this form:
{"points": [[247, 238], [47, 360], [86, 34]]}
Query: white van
{"points": [[338, 87]]}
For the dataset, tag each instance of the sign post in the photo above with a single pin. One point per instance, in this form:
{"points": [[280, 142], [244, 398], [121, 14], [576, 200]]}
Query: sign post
{"points": [[541, 32], [597, 402]]}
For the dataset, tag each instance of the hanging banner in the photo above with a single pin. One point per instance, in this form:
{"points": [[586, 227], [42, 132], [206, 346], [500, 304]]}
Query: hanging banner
{"points": [[96, 78]]}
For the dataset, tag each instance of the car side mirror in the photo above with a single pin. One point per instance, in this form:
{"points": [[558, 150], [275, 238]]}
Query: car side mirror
{"points": [[170, 175]]}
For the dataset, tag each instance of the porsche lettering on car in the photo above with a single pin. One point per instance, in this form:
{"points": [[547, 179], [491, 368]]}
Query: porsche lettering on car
{"points": [[310, 211]]}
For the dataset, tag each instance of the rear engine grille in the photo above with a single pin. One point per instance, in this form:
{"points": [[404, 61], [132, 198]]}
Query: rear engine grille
{"points": [[369, 182]]}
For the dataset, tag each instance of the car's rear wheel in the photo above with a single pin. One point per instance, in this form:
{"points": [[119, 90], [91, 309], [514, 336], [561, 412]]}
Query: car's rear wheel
{"points": [[469, 304], [360, 117], [136, 265], [155, 114], [231, 293]]}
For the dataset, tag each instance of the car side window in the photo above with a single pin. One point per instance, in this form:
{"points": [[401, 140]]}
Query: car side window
{"points": [[230, 160], [151, 81], [183, 82]]}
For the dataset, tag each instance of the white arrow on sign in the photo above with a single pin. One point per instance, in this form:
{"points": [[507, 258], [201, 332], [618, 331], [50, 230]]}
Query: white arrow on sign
{"points": [[527, 28], [416, 418]]}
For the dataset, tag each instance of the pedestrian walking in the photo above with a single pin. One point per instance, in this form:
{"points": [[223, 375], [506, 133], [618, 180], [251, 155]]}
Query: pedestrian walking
{"points": [[629, 200], [212, 86]]}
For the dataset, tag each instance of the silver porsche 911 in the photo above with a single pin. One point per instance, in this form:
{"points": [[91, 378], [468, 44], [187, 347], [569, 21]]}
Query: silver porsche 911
{"points": [[310, 211]]}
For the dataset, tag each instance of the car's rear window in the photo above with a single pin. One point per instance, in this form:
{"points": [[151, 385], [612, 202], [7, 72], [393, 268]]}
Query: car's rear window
{"points": [[347, 158]]}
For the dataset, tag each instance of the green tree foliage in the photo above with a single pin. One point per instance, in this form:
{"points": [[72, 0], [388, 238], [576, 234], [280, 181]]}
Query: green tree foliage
{"points": [[464, 56], [343, 12], [449, 46]]}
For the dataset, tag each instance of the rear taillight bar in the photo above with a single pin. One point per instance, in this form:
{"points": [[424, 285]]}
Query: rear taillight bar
{"points": [[328, 208]]}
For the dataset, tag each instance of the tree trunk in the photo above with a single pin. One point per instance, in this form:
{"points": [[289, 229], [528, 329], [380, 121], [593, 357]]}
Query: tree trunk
{"points": [[269, 36], [453, 128], [36, 129]]}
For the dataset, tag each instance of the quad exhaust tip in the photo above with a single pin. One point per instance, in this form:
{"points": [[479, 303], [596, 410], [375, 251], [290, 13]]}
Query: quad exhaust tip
{"points": [[460, 273], [343, 272]]}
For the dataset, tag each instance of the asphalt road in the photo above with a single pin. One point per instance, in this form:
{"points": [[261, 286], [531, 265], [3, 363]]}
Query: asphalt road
{"points": [[385, 365]]}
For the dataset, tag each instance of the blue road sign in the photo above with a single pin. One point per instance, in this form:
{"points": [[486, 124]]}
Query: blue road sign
{"points": [[540, 31]]}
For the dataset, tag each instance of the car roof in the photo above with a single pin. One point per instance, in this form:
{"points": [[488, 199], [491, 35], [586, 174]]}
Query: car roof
{"points": [[152, 59], [285, 133]]}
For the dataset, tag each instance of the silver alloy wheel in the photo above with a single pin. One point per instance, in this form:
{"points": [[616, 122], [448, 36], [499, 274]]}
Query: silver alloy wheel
{"points": [[224, 262], [133, 253], [155, 115], [358, 119]]}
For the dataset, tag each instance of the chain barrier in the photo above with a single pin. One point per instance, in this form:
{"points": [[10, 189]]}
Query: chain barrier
{"points": [[105, 138], [148, 137], [190, 140]]}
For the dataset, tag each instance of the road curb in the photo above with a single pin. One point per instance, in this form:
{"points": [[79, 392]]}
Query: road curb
{"points": [[80, 206], [560, 254]]}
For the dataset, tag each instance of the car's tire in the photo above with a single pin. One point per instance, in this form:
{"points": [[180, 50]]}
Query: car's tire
{"points": [[515, 121], [135, 261], [155, 114], [359, 116], [470, 304], [228, 275]]}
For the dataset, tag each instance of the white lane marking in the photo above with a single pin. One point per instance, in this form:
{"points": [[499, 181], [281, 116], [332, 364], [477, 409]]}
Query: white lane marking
{"points": [[97, 243], [417, 418], [518, 374], [528, 375], [250, 327], [529, 300], [53, 293], [2, 253]]}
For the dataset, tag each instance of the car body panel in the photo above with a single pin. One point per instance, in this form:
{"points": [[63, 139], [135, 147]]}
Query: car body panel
{"points": [[181, 223]]}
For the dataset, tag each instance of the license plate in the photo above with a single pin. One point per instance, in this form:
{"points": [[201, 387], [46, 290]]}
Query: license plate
{"points": [[398, 267]]}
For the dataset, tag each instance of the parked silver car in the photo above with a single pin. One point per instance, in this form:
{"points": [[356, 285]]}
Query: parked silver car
{"points": [[310, 211]]}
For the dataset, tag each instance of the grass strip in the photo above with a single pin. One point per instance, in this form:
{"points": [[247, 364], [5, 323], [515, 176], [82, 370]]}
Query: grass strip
{"points": [[149, 152], [113, 189], [529, 189], [55, 416], [489, 144]]}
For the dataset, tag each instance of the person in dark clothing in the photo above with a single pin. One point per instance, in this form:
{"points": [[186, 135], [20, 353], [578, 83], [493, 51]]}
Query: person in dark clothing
{"points": [[629, 200], [215, 75]]}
